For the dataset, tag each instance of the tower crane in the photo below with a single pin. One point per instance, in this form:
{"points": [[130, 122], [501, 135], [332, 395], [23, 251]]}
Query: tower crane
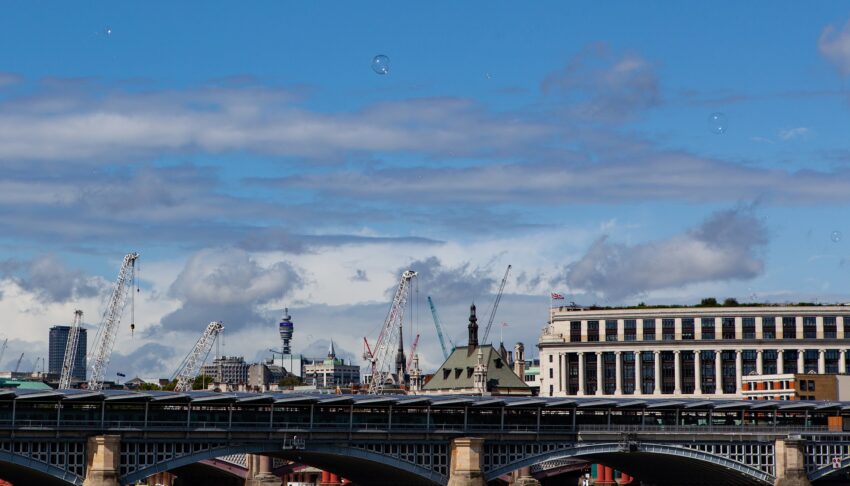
{"points": [[3, 350], [71, 351], [108, 329], [35, 366], [18, 366], [439, 326], [193, 361], [380, 359], [496, 305]]}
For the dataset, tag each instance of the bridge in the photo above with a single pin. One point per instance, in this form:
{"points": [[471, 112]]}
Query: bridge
{"points": [[114, 437]]}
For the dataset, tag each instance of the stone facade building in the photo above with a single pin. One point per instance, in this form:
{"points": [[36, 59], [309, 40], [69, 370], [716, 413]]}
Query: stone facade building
{"points": [[687, 351]]}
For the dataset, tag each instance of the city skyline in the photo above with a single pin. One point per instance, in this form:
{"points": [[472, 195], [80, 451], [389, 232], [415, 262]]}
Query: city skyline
{"points": [[256, 161]]}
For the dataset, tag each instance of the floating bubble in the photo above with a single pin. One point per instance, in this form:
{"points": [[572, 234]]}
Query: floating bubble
{"points": [[718, 123], [381, 64], [835, 236], [107, 31]]}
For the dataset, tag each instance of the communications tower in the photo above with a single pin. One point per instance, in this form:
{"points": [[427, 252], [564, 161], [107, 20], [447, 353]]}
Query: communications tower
{"points": [[286, 328]]}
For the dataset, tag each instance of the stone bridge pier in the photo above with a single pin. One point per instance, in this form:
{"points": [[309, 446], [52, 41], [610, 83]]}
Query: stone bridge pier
{"points": [[260, 471], [103, 453], [467, 465], [790, 460]]}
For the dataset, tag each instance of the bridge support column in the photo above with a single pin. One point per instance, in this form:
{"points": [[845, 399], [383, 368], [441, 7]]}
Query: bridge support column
{"points": [[262, 471], [790, 463], [467, 459], [523, 477], [102, 455]]}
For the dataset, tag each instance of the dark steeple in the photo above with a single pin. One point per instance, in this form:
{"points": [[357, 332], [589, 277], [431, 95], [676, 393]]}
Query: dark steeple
{"points": [[400, 360], [473, 327]]}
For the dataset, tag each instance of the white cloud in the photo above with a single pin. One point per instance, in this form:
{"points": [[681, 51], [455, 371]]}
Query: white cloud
{"points": [[726, 246], [795, 133], [87, 124], [834, 45]]}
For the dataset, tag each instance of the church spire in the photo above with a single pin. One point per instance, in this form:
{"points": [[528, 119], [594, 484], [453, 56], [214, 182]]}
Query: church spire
{"points": [[473, 327]]}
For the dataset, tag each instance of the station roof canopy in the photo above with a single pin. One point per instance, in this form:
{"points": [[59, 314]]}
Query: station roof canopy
{"points": [[437, 401]]}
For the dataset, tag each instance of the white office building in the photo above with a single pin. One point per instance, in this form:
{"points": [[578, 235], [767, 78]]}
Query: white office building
{"points": [[687, 351]]}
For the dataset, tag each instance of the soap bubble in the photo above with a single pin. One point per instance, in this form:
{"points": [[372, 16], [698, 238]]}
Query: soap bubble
{"points": [[835, 236], [718, 123], [381, 64]]}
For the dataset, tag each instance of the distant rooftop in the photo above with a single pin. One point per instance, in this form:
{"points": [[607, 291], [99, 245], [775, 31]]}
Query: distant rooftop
{"points": [[706, 303]]}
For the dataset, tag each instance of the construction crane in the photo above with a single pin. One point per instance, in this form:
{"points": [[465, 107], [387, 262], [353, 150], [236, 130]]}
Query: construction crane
{"points": [[35, 366], [71, 351], [108, 329], [3, 350], [495, 306], [196, 358], [18, 366], [380, 359], [439, 326], [412, 352]]}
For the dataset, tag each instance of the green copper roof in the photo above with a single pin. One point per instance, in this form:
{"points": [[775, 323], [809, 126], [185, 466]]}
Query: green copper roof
{"points": [[23, 385]]}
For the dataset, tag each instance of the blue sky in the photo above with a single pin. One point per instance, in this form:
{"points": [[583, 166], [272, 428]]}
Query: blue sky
{"points": [[255, 160]]}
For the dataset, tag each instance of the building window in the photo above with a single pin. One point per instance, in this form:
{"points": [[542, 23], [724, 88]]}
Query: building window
{"points": [[628, 378], [649, 329], [803, 385], [668, 329], [728, 328], [611, 330], [831, 357], [769, 361], [609, 373], [846, 320], [550, 358], [575, 331], [789, 361], [727, 366], [707, 371], [768, 327], [551, 390], [748, 327], [630, 330], [748, 361], [810, 361], [593, 331], [668, 372], [707, 327], [810, 327], [789, 328], [687, 329], [829, 328], [811, 385], [551, 373], [647, 372]]}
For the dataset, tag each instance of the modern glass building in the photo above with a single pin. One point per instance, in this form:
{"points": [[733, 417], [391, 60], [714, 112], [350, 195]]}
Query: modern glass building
{"points": [[687, 351], [56, 352]]}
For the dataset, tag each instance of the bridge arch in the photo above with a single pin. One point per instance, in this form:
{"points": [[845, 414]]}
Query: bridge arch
{"points": [[828, 470], [615, 453], [351, 462], [28, 464]]}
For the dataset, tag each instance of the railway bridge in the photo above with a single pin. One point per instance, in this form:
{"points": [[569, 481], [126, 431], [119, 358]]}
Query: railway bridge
{"points": [[113, 437]]}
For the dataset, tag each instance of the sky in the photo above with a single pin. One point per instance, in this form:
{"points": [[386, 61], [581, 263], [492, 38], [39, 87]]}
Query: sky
{"points": [[616, 153]]}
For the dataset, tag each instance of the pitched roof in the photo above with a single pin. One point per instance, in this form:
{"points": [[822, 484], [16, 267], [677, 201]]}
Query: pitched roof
{"points": [[456, 372]]}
